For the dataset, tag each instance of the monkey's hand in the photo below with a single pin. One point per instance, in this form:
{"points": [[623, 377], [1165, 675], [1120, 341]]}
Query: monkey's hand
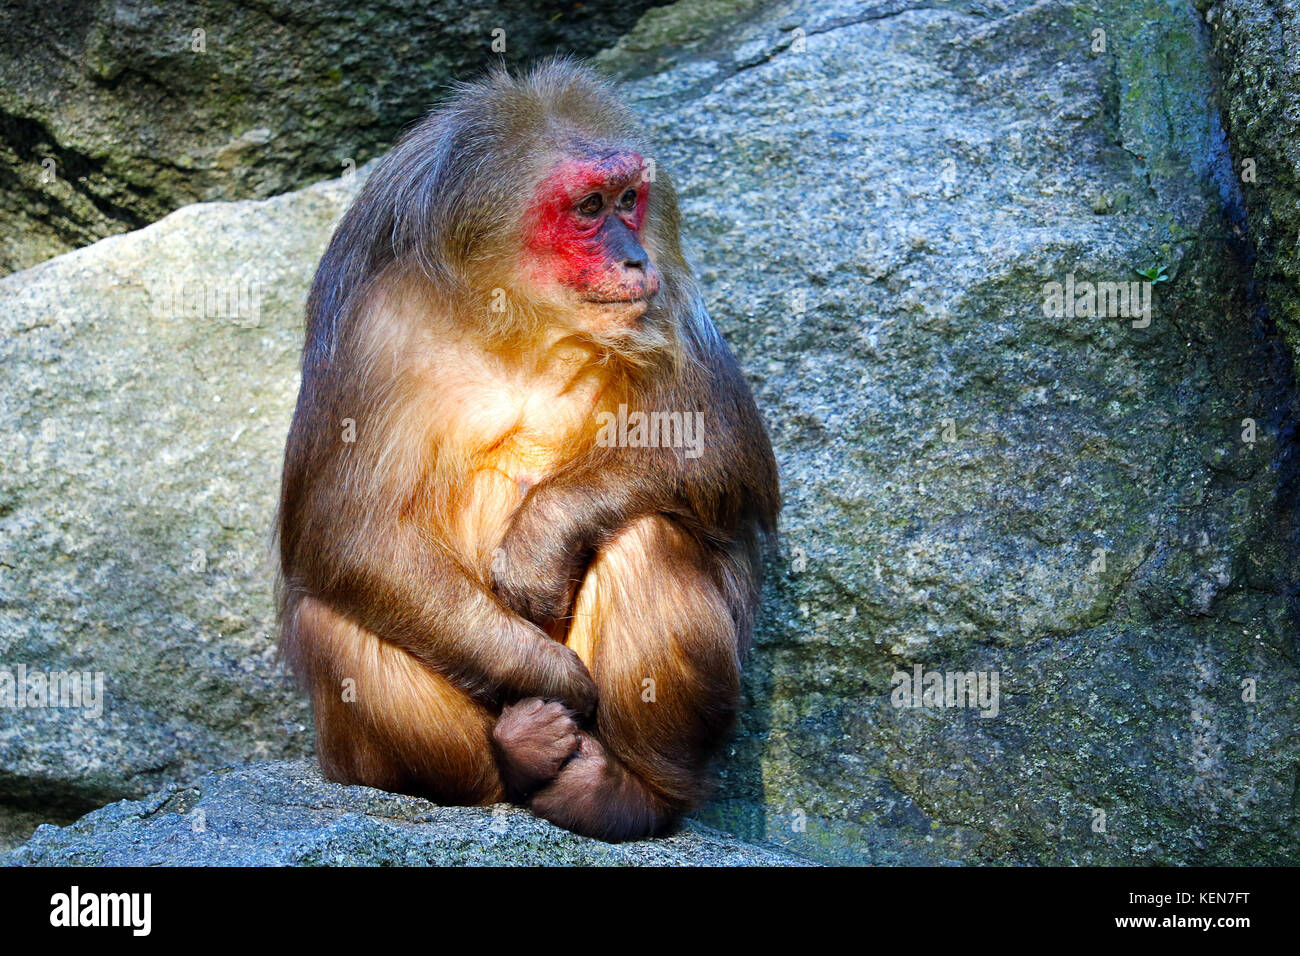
{"points": [[554, 673], [537, 569]]}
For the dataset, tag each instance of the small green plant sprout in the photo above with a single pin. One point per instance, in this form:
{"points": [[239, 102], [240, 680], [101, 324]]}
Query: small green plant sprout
{"points": [[1154, 275]]}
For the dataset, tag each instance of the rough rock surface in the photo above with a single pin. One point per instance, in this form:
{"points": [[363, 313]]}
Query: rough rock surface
{"points": [[876, 197], [287, 814], [139, 115], [1257, 44], [1098, 509], [149, 380]]}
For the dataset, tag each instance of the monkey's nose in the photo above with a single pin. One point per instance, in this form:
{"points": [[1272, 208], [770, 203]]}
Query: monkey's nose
{"points": [[634, 264]]}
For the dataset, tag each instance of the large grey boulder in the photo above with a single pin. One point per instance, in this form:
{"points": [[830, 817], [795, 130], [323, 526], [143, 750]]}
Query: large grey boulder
{"points": [[287, 814], [113, 114], [877, 197], [149, 381], [1097, 510]]}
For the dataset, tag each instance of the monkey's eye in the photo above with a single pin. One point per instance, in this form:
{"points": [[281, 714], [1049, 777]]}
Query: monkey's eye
{"points": [[627, 200], [591, 205]]}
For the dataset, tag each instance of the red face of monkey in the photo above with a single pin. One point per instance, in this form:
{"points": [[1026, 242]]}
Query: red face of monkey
{"points": [[583, 235]]}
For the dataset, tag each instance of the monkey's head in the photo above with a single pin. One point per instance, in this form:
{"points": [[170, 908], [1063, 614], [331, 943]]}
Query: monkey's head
{"points": [[582, 238], [524, 204]]}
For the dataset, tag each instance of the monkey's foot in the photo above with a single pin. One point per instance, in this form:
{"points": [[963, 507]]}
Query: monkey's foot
{"points": [[595, 796], [533, 740]]}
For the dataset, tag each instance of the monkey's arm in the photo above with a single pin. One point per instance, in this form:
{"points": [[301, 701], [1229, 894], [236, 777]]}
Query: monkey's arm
{"points": [[731, 487], [552, 537], [394, 581]]}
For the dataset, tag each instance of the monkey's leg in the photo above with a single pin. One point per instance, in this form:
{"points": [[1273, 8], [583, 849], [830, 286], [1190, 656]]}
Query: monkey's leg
{"points": [[385, 720], [661, 644]]}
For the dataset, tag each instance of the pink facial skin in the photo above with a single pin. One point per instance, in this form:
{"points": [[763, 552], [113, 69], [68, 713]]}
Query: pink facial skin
{"points": [[597, 254]]}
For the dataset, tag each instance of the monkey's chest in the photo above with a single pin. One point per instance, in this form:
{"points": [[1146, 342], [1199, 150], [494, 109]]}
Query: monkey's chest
{"points": [[491, 491], [517, 448], [506, 478]]}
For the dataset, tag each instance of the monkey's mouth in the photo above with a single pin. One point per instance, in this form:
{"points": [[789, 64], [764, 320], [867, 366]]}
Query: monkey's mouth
{"points": [[640, 298], [628, 290]]}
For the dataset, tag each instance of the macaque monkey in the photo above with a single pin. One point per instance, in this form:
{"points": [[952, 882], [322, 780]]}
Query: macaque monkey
{"points": [[526, 490]]}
